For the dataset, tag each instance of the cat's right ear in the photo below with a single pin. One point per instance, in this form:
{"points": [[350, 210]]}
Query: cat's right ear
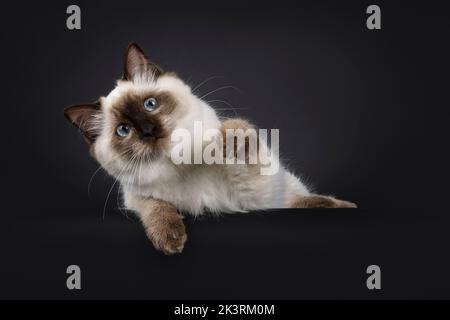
{"points": [[86, 118]]}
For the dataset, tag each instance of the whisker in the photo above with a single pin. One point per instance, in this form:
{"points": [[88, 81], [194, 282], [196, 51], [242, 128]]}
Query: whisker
{"points": [[205, 81], [218, 89], [229, 108], [225, 109], [112, 187], [139, 174], [122, 210], [225, 102], [117, 200], [95, 173], [92, 178]]}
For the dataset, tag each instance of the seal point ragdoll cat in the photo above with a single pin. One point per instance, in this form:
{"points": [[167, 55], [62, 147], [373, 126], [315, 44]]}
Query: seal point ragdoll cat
{"points": [[129, 134]]}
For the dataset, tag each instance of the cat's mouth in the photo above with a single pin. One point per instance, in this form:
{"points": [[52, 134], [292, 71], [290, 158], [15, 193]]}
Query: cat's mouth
{"points": [[151, 138], [154, 138], [155, 143], [149, 134]]}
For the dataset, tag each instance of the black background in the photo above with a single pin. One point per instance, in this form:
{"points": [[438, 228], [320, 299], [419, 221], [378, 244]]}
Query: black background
{"points": [[362, 114]]}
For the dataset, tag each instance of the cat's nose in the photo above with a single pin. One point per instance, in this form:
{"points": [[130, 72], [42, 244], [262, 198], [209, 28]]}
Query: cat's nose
{"points": [[148, 131]]}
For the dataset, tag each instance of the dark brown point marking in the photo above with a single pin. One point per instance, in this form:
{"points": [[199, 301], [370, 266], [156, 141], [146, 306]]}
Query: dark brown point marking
{"points": [[317, 201]]}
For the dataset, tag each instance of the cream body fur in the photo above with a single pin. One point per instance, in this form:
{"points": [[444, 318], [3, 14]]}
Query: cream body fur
{"points": [[130, 134], [218, 188]]}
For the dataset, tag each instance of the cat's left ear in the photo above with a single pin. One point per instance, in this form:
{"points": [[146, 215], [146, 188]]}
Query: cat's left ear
{"points": [[137, 65], [86, 118]]}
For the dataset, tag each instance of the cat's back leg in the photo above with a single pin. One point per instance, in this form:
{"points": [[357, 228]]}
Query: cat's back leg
{"points": [[299, 196], [319, 201]]}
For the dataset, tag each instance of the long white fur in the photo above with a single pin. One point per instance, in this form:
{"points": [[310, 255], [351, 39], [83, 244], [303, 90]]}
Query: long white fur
{"points": [[193, 189]]}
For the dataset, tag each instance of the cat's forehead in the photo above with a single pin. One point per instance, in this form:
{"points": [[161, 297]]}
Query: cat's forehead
{"points": [[169, 84], [126, 89]]}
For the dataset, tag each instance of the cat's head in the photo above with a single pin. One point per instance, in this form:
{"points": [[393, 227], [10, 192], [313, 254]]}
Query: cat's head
{"points": [[135, 120]]}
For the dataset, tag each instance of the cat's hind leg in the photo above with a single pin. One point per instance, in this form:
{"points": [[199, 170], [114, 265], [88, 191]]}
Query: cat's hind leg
{"points": [[319, 201]]}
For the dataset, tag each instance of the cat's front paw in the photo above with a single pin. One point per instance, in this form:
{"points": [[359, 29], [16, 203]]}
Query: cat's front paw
{"points": [[168, 234]]}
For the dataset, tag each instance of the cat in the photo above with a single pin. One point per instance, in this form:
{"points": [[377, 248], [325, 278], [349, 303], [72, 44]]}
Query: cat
{"points": [[129, 134]]}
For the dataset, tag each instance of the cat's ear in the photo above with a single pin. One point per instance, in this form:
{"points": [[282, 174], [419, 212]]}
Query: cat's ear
{"points": [[137, 65], [86, 117]]}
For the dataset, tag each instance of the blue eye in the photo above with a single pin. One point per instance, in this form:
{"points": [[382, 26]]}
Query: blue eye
{"points": [[123, 130], [150, 104]]}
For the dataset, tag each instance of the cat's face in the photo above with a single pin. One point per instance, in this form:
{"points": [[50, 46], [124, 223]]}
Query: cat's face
{"points": [[133, 123]]}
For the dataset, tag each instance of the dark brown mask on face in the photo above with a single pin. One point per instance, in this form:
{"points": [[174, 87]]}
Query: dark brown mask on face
{"points": [[140, 122]]}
